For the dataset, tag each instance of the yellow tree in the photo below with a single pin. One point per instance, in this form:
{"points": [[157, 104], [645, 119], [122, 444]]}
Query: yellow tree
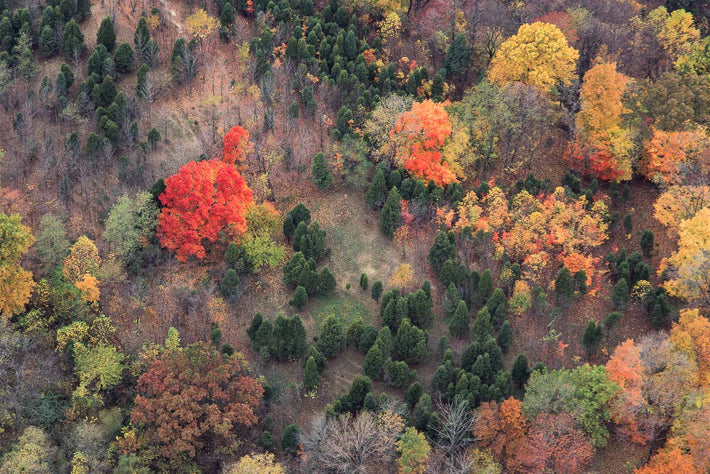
{"points": [[691, 335], [200, 25], [414, 452], [89, 286], [606, 146], [16, 283], [690, 265], [256, 464], [678, 33], [537, 55], [83, 259], [673, 157], [678, 203], [402, 277]]}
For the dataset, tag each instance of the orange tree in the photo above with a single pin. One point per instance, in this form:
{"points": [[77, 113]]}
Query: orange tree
{"points": [[236, 145], [193, 398], [201, 200]]}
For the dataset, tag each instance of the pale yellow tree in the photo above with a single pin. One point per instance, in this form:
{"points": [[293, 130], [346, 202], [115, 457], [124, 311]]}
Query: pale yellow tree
{"points": [[402, 277], [256, 464]]}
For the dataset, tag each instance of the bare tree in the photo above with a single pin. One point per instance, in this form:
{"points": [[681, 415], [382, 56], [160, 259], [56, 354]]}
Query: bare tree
{"points": [[454, 432]]}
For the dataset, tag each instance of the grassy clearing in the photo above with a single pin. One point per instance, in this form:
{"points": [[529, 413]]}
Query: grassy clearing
{"points": [[345, 307]]}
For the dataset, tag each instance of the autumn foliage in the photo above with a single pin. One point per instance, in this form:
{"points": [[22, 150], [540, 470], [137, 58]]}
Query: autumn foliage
{"points": [[555, 444], [201, 200], [16, 283], [501, 429], [674, 157], [236, 145], [191, 396], [422, 131]]}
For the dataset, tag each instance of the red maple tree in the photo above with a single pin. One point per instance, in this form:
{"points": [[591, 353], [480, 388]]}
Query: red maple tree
{"points": [[189, 397], [236, 145], [201, 200]]}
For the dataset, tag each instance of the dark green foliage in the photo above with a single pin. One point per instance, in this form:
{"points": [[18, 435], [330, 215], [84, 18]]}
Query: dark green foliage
{"points": [[226, 17], [124, 58], [153, 138], [326, 281], [592, 336], [482, 327], [106, 35], [300, 298], [216, 335], [331, 339], [580, 281], [437, 92], [443, 249], [367, 338], [443, 345], [452, 297], [384, 340], [68, 75], [419, 310], [47, 42], [422, 414], [301, 230], [521, 371], [628, 223], [363, 281], [263, 337], [376, 290], [413, 393], [83, 9], [611, 320], [266, 440], [320, 173], [470, 354], [660, 312], [460, 321], [362, 385], [354, 333], [289, 440], [72, 41], [647, 242], [538, 301], [370, 402], [235, 257], [505, 337], [377, 192], [458, 55], [399, 374], [411, 343], [229, 288], [564, 288], [374, 362], [311, 376], [496, 305], [447, 275], [485, 288], [620, 295], [254, 326], [317, 357], [391, 214], [310, 241]]}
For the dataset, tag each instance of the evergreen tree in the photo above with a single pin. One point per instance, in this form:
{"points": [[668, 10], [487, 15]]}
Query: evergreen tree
{"points": [[448, 272], [331, 338], [367, 338], [461, 321], [628, 223], [437, 94], [451, 300], [321, 175], [350, 46], [289, 440], [47, 42], [295, 216], [611, 320], [377, 192], [410, 343], [580, 281], [413, 393], [374, 362], [141, 36], [376, 290], [485, 288], [83, 9], [124, 58], [564, 288], [311, 375], [363, 281], [482, 328], [106, 35], [300, 298], [362, 385], [620, 295], [229, 288], [521, 371], [419, 306], [68, 75], [443, 249], [254, 326], [592, 336], [399, 374], [660, 311], [505, 336], [326, 281], [73, 45], [647, 242], [266, 439], [226, 17], [289, 338], [384, 340], [391, 214], [538, 300], [458, 55], [264, 337]]}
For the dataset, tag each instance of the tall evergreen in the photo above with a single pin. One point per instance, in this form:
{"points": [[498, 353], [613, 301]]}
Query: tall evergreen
{"points": [[310, 375], [620, 295], [106, 35], [391, 214], [72, 41], [461, 321], [505, 336], [377, 192], [321, 175], [458, 55], [564, 288]]}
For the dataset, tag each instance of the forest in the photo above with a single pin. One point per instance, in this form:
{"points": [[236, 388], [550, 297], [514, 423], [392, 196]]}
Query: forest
{"points": [[354, 236]]}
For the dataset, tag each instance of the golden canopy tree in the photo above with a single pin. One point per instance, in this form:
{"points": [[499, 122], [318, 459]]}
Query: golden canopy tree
{"points": [[605, 145], [674, 157], [691, 335], [678, 203], [83, 259], [537, 55], [690, 264], [16, 283]]}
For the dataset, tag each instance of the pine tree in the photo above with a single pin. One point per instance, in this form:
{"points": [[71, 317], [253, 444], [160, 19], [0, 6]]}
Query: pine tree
{"points": [[326, 281], [376, 290], [628, 223], [374, 362], [124, 58], [47, 42], [254, 326], [230, 284], [321, 175], [458, 55], [391, 214], [660, 312], [289, 440], [83, 9], [263, 337], [106, 35], [647, 243], [443, 249], [461, 321], [592, 336], [331, 338], [377, 192], [620, 295], [363, 281], [300, 298], [437, 90], [310, 375], [482, 328], [580, 281], [564, 288], [485, 288], [521, 371], [505, 336]]}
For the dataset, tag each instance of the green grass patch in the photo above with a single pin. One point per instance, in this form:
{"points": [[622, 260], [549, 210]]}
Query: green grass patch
{"points": [[345, 307]]}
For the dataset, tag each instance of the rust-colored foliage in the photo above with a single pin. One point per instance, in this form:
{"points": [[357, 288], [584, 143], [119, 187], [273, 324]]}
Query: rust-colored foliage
{"points": [[672, 157], [236, 145], [422, 132], [554, 444], [669, 460], [201, 200], [191, 396], [501, 429]]}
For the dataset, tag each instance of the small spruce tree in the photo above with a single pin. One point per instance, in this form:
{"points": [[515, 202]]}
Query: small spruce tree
{"points": [[321, 175], [461, 321], [564, 288], [377, 192], [300, 298], [391, 214], [620, 295], [505, 336]]}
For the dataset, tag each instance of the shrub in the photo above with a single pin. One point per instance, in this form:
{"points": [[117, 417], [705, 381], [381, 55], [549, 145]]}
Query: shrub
{"points": [[289, 440], [300, 298]]}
